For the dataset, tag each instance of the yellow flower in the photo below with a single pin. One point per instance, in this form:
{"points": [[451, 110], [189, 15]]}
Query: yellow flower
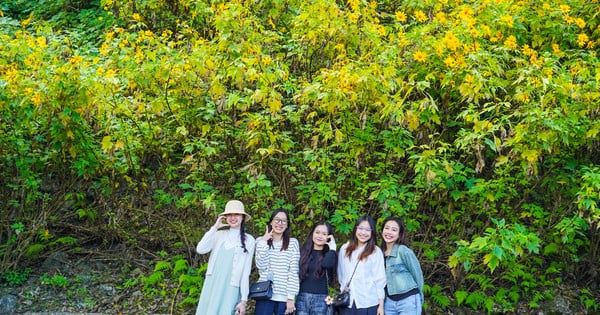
{"points": [[451, 41], [546, 6], [565, 8], [104, 49], [400, 16], [508, 19], [580, 22], [591, 45], [556, 49], [535, 60], [420, 56], [76, 60], [465, 13], [440, 17], [450, 61], [136, 17], [582, 39], [420, 16], [380, 30], [511, 42], [46, 233], [110, 74], [99, 71], [569, 19], [271, 23], [527, 51], [353, 4], [36, 98], [123, 43], [353, 17], [41, 41], [109, 35], [404, 42]]}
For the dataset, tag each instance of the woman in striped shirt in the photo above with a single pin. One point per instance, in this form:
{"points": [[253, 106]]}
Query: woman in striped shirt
{"points": [[277, 256]]}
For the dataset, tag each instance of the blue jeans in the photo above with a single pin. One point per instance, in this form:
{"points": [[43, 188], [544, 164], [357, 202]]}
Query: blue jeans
{"points": [[358, 311], [311, 304], [269, 307], [411, 305]]}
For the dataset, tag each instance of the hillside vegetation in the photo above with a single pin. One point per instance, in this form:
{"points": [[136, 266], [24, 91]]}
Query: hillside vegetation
{"points": [[477, 122]]}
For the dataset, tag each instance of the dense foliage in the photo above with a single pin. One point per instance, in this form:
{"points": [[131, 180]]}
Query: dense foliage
{"points": [[476, 121]]}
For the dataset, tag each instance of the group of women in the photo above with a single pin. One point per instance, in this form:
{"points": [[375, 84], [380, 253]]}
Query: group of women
{"points": [[386, 280]]}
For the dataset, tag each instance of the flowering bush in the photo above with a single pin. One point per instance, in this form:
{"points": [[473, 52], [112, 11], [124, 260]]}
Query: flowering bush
{"points": [[476, 121]]}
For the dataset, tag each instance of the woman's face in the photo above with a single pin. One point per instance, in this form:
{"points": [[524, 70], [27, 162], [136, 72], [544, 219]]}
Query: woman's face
{"points": [[391, 232], [363, 232], [234, 220], [320, 236], [279, 223]]}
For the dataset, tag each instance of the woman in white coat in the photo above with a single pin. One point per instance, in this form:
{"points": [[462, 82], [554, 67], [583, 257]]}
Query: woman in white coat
{"points": [[225, 288]]}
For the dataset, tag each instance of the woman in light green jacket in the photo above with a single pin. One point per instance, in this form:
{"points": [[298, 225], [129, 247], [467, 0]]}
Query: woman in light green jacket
{"points": [[404, 290]]}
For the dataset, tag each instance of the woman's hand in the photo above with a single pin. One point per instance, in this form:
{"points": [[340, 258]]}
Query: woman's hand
{"points": [[268, 235], [380, 308], [290, 308], [331, 243], [240, 309], [219, 224]]}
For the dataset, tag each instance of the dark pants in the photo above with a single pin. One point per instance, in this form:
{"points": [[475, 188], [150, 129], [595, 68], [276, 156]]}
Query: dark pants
{"points": [[358, 311], [269, 308]]}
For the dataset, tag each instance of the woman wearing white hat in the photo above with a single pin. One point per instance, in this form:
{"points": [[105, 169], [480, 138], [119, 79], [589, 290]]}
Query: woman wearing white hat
{"points": [[225, 288]]}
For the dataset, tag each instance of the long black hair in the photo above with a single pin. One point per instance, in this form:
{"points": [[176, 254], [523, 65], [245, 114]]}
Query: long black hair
{"points": [[243, 233], [307, 249], [371, 243], [401, 232], [286, 233]]}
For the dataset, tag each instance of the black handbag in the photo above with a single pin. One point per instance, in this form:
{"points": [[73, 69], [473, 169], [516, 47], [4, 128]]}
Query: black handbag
{"points": [[342, 299], [261, 290]]}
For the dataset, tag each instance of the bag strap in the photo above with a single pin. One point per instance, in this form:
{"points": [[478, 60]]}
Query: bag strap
{"points": [[270, 275], [352, 276]]}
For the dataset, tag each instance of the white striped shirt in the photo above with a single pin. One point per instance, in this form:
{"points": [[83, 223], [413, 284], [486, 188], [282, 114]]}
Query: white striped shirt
{"points": [[283, 265]]}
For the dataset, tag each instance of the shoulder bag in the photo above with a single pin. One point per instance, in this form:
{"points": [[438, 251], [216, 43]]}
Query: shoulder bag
{"points": [[262, 290], [342, 299]]}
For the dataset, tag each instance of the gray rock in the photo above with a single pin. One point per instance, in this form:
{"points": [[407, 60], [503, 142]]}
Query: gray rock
{"points": [[559, 305], [55, 261], [107, 289], [8, 304]]}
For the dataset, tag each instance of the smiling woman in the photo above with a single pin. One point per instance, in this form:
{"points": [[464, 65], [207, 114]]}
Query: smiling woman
{"points": [[317, 262], [225, 289], [277, 258], [361, 270]]}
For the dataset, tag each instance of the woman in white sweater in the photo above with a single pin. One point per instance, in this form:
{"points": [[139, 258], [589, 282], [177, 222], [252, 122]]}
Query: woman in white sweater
{"points": [[225, 288], [361, 268], [277, 258]]}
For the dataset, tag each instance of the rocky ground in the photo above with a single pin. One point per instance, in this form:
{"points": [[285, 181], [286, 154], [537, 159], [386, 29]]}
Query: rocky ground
{"points": [[93, 282], [85, 282]]}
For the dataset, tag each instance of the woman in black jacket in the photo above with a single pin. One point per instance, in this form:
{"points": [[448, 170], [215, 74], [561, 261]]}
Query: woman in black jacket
{"points": [[317, 262]]}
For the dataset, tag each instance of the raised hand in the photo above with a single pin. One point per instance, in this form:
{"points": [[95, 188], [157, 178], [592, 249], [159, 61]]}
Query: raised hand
{"points": [[268, 234], [219, 224], [331, 243]]}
